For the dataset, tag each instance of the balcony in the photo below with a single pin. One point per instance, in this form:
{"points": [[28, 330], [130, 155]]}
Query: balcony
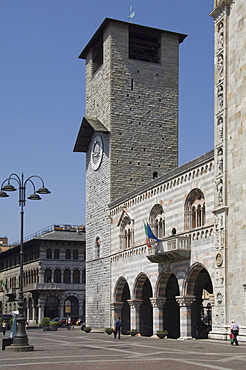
{"points": [[171, 249], [53, 286], [11, 293]]}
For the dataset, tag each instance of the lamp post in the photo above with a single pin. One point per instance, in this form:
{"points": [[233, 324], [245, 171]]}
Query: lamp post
{"points": [[20, 340]]}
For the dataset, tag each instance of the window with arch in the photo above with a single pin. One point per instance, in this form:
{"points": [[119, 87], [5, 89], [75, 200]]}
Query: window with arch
{"points": [[194, 212], [97, 247], [83, 277], [47, 275], [68, 254], [75, 254], [157, 221], [67, 276], [48, 253], [56, 254], [126, 233], [76, 276], [57, 276]]}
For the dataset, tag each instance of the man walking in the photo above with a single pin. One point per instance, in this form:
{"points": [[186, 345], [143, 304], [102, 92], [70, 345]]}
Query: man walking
{"points": [[117, 328], [234, 331]]}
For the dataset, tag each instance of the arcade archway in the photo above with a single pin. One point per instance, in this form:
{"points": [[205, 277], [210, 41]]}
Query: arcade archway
{"points": [[199, 284], [167, 287], [122, 295], [143, 291]]}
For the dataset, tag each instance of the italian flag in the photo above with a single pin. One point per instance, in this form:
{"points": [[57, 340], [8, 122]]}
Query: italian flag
{"points": [[2, 286], [149, 234]]}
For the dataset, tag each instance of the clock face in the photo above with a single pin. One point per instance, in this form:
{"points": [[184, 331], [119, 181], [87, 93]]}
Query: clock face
{"points": [[96, 152]]}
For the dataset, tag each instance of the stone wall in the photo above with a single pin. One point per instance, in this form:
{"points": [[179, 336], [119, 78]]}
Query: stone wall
{"points": [[236, 161]]}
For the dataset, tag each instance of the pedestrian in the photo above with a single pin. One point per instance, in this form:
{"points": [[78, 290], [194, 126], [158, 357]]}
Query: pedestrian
{"points": [[4, 326], [69, 322], [234, 331], [117, 328]]}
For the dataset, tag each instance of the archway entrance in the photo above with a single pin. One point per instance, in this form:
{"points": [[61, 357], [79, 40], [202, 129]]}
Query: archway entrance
{"points": [[122, 294], [71, 306], [200, 285], [51, 307], [143, 291], [171, 317]]}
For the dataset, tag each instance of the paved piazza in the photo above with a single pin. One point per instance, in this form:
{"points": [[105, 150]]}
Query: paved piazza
{"points": [[66, 349]]}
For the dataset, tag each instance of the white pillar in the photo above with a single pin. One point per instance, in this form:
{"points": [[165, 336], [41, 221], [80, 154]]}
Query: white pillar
{"points": [[116, 308], [185, 315], [157, 304], [135, 305]]}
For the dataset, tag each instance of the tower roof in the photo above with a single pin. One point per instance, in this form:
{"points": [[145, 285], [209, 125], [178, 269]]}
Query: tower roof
{"points": [[134, 26], [88, 126]]}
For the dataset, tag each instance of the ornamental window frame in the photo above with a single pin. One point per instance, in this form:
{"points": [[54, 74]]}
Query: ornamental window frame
{"points": [[194, 210], [157, 221], [126, 234]]}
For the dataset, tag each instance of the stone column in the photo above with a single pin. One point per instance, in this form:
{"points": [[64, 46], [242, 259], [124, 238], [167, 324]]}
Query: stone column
{"points": [[62, 313], [135, 305], [116, 308], [33, 311], [185, 315], [41, 303], [157, 304]]}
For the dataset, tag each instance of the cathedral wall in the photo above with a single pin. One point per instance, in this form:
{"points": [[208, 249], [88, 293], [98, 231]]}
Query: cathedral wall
{"points": [[236, 161]]}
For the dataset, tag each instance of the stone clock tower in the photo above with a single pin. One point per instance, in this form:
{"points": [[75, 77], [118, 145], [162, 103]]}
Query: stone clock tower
{"points": [[129, 133]]}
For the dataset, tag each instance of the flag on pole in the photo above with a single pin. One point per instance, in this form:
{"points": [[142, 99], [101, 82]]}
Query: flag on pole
{"points": [[2, 286], [147, 242], [149, 233]]}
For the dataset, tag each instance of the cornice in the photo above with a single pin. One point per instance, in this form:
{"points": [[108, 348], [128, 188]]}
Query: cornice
{"points": [[222, 6]]}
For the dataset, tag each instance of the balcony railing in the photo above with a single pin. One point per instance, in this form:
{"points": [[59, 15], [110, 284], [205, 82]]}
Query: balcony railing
{"points": [[173, 248], [10, 291], [53, 286]]}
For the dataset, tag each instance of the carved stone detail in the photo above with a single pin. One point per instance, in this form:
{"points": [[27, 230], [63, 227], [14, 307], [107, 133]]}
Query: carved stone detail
{"points": [[158, 302], [185, 300], [219, 298], [135, 303], [220, 191], [219, 259]]}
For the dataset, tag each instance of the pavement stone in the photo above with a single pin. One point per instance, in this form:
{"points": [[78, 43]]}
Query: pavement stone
{"points": [[63, 349]]}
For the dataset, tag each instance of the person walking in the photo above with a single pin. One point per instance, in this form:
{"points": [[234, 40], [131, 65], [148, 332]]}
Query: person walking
{"points": [[234, 331], [117, 328], [69, 323], [4, 326]]}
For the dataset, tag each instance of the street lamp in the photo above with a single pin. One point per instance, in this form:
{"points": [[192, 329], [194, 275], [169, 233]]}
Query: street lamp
{"points": [[20, 340]]}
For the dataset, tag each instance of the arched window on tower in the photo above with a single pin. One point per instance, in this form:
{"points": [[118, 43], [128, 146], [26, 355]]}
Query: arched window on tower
{"points": [[157, 221], [194, 211]]}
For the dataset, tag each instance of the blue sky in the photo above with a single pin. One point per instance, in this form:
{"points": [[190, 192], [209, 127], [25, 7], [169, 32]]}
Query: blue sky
{"points": [[42, 94]]}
